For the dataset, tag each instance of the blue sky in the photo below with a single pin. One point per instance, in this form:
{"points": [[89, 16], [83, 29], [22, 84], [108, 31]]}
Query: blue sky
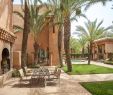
{"points": [[96, 11]]}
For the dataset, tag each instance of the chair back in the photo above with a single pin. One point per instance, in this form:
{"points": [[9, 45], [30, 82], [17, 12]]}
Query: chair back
{"points": [[55, 71], [57, 74], [21, 73]]}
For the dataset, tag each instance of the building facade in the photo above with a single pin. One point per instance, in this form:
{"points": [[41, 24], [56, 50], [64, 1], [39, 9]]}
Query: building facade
{"points": [[102, 48], [47, 40], [7, 37]]}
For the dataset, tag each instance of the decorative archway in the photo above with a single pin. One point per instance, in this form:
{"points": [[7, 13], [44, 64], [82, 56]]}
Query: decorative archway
{"points": [[5, 53], [5, 63]]}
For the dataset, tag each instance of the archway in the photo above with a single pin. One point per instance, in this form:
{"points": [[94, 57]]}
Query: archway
{"points": [[5, 63]]}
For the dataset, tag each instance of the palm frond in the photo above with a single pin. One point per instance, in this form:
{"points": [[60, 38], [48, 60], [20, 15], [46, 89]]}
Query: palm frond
{"points": [[17, 28], [19, 14]]}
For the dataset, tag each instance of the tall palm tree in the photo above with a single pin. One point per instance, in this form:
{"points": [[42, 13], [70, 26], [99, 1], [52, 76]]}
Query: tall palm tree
{"points": [[69, 7], [55, 6], [74, 44], [36, 24], [73, 7], [92, 31], [82, 41], [25, 34]]}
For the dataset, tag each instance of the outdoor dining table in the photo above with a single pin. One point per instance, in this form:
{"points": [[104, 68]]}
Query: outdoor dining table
{"points": [[39, 75]]}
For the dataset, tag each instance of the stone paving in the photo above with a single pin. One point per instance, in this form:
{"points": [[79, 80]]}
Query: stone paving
{"points": [[69, 85]]}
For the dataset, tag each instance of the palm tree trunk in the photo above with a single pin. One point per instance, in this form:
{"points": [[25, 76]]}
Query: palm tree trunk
{"points": [[83, 52], [60, 46], [90, 53], [67, 27], [36, 47], [25, 35]]}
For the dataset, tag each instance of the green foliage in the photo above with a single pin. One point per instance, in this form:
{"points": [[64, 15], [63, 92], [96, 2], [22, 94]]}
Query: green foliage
{"points": [[99, 88], [88, 69], [74, 44], [108, 62], [15, 73], [79, 55], [33, 65], [92, 30], [37, 20]]}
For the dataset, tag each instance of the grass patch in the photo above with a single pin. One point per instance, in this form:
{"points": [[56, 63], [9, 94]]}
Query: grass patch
{"points": [[99, 88], [88, 69]]}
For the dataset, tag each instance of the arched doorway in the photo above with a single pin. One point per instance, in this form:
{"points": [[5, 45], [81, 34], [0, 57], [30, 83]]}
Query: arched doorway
{"points": [[5, 63]]}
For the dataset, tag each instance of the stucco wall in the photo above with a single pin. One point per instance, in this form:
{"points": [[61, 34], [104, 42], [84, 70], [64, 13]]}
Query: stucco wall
{"points": [[6, 14], [2, 46], [48, 39], [109, 48], [6, 24]]}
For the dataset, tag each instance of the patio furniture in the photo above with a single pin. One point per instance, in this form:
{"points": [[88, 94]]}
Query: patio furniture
{"points": [[2, 81], [27, 71], [39, 75], [54, 77], [22, 77], [53, 72]]}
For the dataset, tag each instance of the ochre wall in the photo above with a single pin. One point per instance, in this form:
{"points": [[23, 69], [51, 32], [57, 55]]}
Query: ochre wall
{"points": [[6, 24], [107, 45], [6, 14]]}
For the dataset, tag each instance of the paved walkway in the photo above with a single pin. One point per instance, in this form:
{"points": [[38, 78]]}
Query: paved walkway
{"points": [[94, 77], [68, 86]]}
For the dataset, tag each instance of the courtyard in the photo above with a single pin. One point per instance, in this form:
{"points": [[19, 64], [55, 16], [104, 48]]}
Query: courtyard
{"points": [[69, 84], [56, 47]]}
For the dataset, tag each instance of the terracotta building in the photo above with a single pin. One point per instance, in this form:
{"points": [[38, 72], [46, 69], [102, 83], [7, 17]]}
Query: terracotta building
{"points": [[7, 37], [102, 48], [47, 40]]}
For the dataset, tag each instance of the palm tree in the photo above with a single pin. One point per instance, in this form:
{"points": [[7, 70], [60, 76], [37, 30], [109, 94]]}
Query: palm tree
{"points": [[36, 24], [69, 7], [25, 34], [82, 41], [74, 44], [55, 6], [92, 31]]}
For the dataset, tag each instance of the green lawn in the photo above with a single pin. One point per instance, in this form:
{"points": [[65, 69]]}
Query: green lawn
{"points": [[88, 69], [99, 88]]}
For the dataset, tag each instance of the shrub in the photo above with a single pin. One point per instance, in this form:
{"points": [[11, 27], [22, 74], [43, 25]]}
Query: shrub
{"points": [[33, 65], [15, 73]]}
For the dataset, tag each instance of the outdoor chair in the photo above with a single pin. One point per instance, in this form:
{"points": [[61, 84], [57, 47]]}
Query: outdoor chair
{"points": [[27, 71], [53, 72], [39, 76], [54, 77], [22, 77], [2, 81]]}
